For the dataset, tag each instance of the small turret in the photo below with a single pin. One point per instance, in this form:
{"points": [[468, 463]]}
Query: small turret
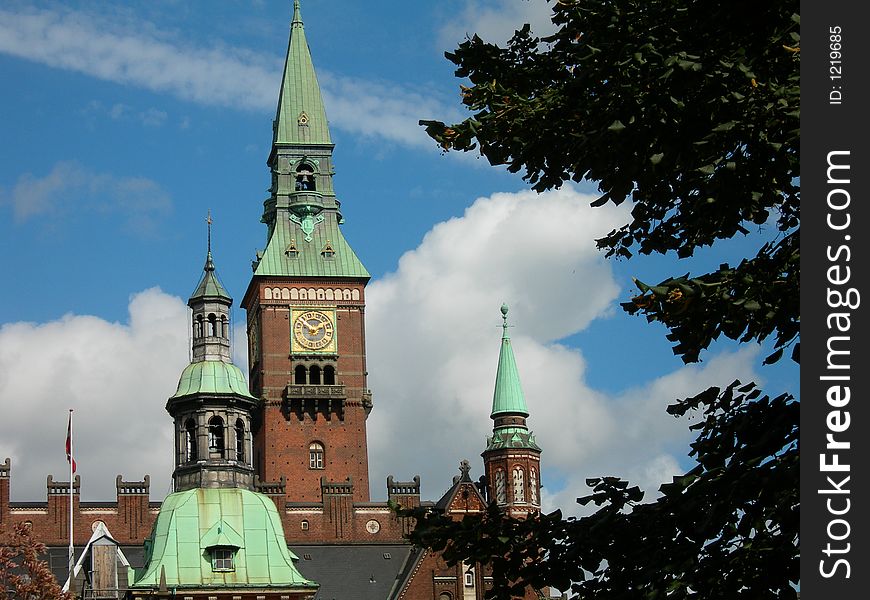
{"points": [[512, 457], [212, 405]]}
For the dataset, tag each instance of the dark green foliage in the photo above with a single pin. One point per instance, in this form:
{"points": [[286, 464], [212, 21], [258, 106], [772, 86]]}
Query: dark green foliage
{"points": [[689, 110], [726, 529]]}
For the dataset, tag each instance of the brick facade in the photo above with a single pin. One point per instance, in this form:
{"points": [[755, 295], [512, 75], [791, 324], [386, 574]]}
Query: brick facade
{"points": [[297, 414]]}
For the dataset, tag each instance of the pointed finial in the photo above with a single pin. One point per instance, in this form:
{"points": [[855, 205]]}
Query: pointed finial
{"points": [[209, 264], [209, 222], [504, 313], [297, 14]]}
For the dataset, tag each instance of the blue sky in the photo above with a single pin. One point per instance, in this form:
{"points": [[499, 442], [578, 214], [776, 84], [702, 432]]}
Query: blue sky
{"points": [[123, 124]]}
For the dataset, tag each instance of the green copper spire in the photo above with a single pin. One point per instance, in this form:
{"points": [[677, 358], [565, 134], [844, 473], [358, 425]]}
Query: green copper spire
{"points": [[302, 214], [301, 118], [209, 286], [508, 397], [509, 410]]}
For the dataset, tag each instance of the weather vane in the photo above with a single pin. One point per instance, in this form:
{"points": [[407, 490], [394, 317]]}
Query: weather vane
{"points": [[208, 220]]}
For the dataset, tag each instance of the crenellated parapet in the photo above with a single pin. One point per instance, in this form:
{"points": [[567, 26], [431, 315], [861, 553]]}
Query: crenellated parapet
{"points": [[129, 517]]}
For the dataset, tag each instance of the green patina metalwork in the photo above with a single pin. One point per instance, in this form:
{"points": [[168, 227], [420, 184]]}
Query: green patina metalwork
{"points": [[209, 286], [212, 377], [191, 524], [301, 118], [301, 135], [508, 399], [308, 222]]}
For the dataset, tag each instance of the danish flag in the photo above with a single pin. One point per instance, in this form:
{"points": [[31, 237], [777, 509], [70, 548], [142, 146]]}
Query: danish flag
{"points": [[69, 457]]}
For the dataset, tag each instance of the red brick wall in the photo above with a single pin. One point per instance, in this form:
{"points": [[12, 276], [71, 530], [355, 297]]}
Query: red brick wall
{"points": [[129, 518], [282, 439]]}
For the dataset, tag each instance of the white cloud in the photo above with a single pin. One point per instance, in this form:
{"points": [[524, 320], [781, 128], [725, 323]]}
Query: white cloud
{"points": [[145, 57], [496, 21], [433, 330], [433, 339], [115, 376], [382, 109], [70, 187], [94, 46]]}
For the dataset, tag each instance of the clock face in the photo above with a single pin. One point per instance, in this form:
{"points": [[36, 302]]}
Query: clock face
{"points": [[373, 526], [313, 330]]}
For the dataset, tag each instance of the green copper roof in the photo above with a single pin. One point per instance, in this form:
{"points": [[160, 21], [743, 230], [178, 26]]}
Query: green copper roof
{"points": [[512, 437], [289, 254], [301, 118], [209, 286], [192, 522], [212, 377], [508, 397]]}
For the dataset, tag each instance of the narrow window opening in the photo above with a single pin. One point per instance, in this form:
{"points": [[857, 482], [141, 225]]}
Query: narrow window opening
{"points": [[328, 375], [212, 325], [519, 485], [305, 525], [500, 487], [299, 375], [190, 453], [240, 440], [216, 436], [314, 375]]}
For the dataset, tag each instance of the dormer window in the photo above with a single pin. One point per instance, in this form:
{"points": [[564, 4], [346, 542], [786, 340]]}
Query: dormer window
{"points": [[222, 559], [292, 251], [328, 251], [303, 118]]}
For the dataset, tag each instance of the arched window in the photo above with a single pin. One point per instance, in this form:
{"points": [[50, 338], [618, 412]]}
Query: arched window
{"points": [[533, 486], [190, 453], [225, 330], [197, 327], [519, 485], [212, 325], [305, 177], [216, 435], [315, 455], [240, 440], [500, 487], [299, 375], [314, 375], [328, 375]]}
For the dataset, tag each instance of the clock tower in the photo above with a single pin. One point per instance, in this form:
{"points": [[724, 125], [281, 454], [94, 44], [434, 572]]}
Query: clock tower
{"points": [[306, 307]]}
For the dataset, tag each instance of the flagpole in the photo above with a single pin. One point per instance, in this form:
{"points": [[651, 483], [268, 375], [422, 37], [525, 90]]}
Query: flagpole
{"points": [[71, 481]]}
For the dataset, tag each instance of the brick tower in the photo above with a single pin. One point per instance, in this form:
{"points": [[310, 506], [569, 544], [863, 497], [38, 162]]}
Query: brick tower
{"points": [[306, 307], [512, 459]]}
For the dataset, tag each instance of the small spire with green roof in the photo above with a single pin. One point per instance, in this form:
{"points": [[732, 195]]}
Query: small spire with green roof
{"points": [[508, 397], [509, 409], [209, 286]]}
